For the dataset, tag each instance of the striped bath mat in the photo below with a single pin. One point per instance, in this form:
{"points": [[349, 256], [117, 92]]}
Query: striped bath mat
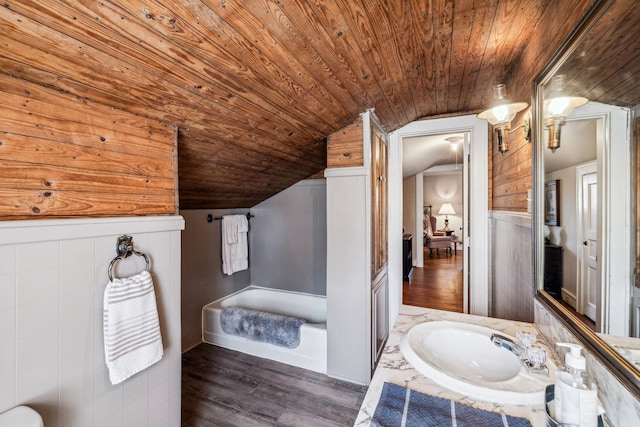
{"points": [[132, 340], [399, 406]]}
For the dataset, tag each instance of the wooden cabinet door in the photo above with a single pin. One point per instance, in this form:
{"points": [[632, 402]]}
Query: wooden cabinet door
{"points": [[379, 161]]}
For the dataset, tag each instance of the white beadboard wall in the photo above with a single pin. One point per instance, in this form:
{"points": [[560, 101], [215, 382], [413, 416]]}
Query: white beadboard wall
{"points": [[52, 278], [511, 271]]}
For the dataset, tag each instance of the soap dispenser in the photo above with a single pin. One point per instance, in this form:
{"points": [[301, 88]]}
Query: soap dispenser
{"points": [[576, 395]]}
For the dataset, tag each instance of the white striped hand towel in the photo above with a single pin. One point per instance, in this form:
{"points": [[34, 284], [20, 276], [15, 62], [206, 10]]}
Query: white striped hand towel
{"points": [[132, 340]]}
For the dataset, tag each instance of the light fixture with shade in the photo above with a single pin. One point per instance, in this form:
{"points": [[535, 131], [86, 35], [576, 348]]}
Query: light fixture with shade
{"points": [[501, 114], [455, 143], [557, 107], [446, 209]]}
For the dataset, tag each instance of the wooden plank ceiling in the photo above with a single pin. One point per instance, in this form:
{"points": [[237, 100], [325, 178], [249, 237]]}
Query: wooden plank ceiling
{"points": [[605, 67], [255, 86]]}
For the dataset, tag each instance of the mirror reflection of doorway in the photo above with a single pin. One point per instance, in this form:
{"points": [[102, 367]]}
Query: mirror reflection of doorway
{"points": [[433, 184], [587, 215], [574, 168]]}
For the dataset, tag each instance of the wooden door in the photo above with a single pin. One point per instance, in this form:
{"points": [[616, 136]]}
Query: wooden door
{"points": [[379, 161]]}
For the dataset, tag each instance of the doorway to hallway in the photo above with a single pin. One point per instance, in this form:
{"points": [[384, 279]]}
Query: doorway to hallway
{"points": [[476, 288]]}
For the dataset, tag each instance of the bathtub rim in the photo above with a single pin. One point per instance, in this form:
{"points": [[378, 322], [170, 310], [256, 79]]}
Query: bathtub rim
{"points": [[265, 288], [305, 356]]}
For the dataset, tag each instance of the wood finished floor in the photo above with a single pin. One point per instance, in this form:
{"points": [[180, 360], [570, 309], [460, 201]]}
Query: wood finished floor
{"points": [[438, 285], [221, 387]]}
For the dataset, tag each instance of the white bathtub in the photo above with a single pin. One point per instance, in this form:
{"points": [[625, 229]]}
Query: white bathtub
{"points": [[312, 351]]}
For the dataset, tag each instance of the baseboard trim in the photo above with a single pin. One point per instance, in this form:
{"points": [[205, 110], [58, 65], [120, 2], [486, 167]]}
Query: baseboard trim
{"points": [[569, 298]]}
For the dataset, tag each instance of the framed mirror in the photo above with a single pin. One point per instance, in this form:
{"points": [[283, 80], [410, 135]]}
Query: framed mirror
{"points": [[586, 120]]}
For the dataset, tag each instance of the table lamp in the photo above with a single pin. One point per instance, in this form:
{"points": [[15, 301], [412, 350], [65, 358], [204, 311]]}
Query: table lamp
{"points": [[446, 209]]}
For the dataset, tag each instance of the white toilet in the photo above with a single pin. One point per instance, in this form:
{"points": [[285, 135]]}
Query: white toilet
{"points": [[21, 416]]}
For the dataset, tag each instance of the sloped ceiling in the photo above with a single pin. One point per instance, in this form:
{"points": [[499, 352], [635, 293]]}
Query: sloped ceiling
{"points": [[255, 86]]}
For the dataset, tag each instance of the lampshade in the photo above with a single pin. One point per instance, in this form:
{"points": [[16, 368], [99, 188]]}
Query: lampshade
{"points": [[558, 103], [446, 209], [501, 114], [563, 106], [503, 111], [557, 106]]}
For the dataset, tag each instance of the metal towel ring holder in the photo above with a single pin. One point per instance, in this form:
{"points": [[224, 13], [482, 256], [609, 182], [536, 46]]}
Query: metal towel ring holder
{"points": [[124, 248]]}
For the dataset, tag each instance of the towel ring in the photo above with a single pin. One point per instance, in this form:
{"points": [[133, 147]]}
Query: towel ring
{"points": [[124, 248]]}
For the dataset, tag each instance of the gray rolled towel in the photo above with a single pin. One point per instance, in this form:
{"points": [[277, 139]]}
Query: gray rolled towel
{"points": [[256, 325]]}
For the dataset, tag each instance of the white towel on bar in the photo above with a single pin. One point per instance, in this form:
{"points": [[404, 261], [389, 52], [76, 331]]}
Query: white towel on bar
{"points": [[132, 340], [235, 248]]}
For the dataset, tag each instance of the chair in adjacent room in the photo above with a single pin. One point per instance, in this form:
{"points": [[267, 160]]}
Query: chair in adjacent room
{"points": [[435, 239]]}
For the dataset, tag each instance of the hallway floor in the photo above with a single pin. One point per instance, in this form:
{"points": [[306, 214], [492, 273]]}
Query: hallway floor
{"points": [[438, 285]]}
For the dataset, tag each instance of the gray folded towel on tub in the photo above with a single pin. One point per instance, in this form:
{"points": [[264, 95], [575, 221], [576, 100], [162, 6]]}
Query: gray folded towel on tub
{"points": [[256, 325]]}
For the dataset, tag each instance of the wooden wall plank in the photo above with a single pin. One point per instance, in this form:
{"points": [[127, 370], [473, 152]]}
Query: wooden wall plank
{"points": [[69, 162], [511, 202], [55, 178], [22, 94], [37, 151], [18, 203], [345, 147], [511, 173]]}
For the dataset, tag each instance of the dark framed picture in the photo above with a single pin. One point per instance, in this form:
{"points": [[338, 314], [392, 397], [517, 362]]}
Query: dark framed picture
{"points": [[552, 202]]}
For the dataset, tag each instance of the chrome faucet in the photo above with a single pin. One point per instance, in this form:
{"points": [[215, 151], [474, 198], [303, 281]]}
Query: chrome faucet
{"points": [[509, 344], [531, 364]]}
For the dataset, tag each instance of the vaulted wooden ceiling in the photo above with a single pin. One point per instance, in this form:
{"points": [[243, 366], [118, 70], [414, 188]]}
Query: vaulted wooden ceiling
{"points": [[256, 86], [605, 66]]}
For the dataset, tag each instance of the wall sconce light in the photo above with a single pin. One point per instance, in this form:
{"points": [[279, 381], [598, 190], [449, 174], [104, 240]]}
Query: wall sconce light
{"points": [[446, 209], [557, 107], [501, 114]]}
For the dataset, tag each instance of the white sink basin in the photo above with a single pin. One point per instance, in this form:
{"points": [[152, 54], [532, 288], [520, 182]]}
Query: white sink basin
{"points": [[461, 357]]}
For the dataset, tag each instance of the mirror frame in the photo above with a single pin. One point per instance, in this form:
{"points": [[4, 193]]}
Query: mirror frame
{"points": [[619, 367]]}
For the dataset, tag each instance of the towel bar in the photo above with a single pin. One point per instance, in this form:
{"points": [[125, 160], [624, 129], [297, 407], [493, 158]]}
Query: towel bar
{"points": [[211, 218], [124, 248]]}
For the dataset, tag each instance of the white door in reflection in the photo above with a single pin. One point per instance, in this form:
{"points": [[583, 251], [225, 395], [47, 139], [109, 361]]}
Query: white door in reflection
{"points": [[588, 262]]}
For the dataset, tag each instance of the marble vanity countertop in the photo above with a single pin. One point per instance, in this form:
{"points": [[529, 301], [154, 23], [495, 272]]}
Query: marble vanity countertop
{"points": [[393, 368]]}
